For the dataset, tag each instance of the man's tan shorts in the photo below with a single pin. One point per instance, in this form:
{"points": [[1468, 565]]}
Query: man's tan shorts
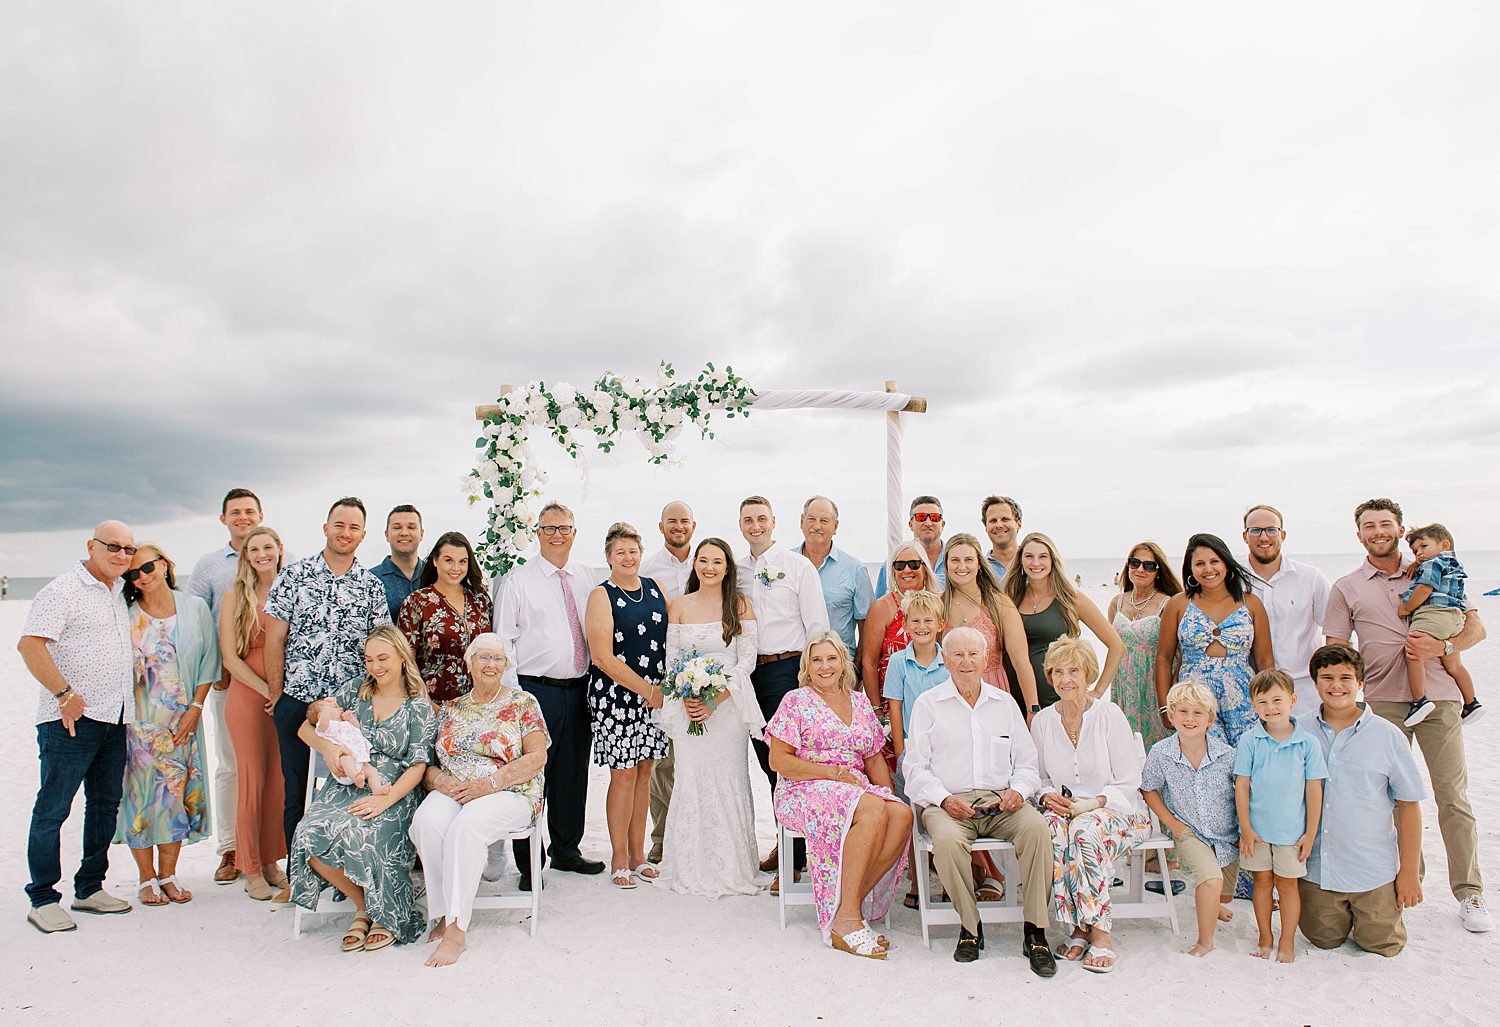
{"points": [[1281, 860]]}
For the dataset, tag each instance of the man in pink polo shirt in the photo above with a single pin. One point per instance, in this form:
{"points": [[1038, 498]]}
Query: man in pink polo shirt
{"points": [[1363, 603]]}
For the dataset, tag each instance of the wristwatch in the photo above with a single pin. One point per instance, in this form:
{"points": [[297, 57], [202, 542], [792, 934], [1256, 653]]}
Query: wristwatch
{"points": [[195, 704], [1448, 648], [1036, 708]]}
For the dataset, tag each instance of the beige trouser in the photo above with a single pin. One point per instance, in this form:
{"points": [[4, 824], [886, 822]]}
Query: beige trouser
{"points": [[951, 841], [1372, 919], [663, 776], [226, 792], [1441, 739]]}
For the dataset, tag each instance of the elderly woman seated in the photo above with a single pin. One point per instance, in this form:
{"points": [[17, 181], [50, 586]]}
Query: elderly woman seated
{"points": [[491, 747], [835, 790], [1090, 795], [970, 765]]}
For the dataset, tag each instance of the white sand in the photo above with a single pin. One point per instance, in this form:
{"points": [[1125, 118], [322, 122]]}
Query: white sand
{"points": [[646, 957]]}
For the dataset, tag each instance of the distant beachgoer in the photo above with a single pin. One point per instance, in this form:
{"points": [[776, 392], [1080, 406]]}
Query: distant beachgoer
{"points": [[76, 643], [1295, 596], [1051, 608], [4, 586], [1146, 583]]}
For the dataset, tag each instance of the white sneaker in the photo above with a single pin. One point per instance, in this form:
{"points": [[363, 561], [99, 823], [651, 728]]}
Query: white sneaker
{"points": [[1475, 917], [1420, 711]]}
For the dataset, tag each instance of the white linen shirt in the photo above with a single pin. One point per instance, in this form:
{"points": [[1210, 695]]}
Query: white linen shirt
{"points": [[670, 573], [1104, 763], [787, 596], [1295, 597], [953, 747], [533, 621], [87, 629]]}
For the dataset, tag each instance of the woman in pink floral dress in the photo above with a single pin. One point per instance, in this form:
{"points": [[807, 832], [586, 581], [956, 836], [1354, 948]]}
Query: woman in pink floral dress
{"points": [[835, 790]]}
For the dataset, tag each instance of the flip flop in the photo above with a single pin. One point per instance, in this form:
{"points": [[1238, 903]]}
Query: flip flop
{"points": [[1073, 943], [1103, 953], [648, 873], [911, 901], [158, 898], [182, 896], [623, 879], [992, 886]]}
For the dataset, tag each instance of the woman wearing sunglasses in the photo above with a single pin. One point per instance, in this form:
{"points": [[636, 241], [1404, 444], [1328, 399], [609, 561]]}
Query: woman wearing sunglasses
{"points": [[884, 633], [1146, 583], [176, 650]]}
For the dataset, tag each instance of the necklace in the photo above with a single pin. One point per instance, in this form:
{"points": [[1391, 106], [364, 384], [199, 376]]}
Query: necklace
{"points": [[1139, 606], [1032, 599], [474, 694], [626, 592]]}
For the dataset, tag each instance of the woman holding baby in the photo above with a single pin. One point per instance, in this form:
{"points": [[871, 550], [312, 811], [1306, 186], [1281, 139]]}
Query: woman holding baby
{"points": [[352, 838]]}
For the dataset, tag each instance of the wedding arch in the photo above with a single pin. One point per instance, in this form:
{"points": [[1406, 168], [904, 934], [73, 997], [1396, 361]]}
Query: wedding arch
{"points": [[505, 472]]}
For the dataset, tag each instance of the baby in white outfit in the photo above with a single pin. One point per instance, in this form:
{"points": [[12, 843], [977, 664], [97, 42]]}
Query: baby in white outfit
{"points": [[341, 727]]}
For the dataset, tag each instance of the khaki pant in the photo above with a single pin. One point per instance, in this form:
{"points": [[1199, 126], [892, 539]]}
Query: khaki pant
{"points": [[1372, 919], [951, 843], [1441, 739], [663, 776]]}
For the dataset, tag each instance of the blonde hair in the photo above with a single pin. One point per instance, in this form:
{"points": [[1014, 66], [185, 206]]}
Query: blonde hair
{"points": [[169, 574], [411, 677], [1192, 692], [1062, 588], [804, 671], [246, 623], [991, 600], [922, 601], [1069, 651], [929, 578]]}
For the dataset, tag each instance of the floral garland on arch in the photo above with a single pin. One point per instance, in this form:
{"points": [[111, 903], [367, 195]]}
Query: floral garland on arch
{"points": [[506, 473]]}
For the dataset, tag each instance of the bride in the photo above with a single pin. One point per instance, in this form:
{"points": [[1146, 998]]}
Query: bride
{"points": [[710, 844]]}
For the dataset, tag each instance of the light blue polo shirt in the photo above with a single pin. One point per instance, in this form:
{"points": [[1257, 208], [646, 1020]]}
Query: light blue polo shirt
{"points": [[846, 592], [1278, 773], [1370, 769], [906, 679]]}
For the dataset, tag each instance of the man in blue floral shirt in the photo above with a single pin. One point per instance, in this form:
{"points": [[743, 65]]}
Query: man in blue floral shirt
{"points": [[319, 611]]}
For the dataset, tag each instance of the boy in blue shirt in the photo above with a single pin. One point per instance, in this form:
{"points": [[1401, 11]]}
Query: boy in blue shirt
{"points": [[1278, 791], [1436, 603], [914, 669]]}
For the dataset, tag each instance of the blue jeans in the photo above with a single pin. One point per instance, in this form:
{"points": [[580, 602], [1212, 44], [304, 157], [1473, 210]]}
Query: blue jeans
{"points": [[94, 757]]}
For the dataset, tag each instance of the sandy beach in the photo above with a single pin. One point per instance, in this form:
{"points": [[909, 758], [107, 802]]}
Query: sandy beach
{"points": [[647, 957]]}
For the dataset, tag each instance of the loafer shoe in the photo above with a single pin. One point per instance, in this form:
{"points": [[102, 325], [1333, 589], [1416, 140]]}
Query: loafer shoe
{"points": [[50, 919], [102, 902]]}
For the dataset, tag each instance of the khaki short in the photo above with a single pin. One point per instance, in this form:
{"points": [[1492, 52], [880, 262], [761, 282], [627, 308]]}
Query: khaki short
{"points": [[1198, 858], [1281, 860], [1441, 622]]}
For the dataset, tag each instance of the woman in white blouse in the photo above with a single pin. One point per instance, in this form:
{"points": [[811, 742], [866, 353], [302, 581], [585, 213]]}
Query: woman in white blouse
{"points": [[1090, 796]]}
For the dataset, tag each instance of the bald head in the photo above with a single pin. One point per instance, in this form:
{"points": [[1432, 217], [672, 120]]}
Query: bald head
{"points": [[106, 565], [677, 526]]}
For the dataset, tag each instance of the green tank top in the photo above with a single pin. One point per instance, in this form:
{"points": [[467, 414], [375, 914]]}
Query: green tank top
{"points": [[1042, 629]]}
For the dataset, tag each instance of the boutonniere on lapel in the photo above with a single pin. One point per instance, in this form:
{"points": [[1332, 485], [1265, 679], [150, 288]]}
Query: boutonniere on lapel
{"points": [[769, 575]]}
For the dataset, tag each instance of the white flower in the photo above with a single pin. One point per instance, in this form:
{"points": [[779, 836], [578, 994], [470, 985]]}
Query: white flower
{"points": [[520, 511], [619, 602], [663, 379], [656, 617], [472, 486], [603, 401], [571, 417], [653, 413], [653, 643], [564, 393], [619, 636], [672, 417], [644, 661]]}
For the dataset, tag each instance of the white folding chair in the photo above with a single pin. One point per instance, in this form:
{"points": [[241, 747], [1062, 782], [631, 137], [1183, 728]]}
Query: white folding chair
{"points": [[935, 912], [317, 770], [1134, 902], [788, 892], [515, 898]]}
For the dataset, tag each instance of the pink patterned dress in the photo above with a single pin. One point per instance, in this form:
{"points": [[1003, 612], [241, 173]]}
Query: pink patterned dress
{"points": [[821, 811]]}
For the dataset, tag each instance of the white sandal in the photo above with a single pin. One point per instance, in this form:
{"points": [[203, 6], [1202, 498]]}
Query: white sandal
{"points": [[862, 942], [992, 885], [156, 893], [173, 882], [623, 879], [647, 873], [1095, 950]]}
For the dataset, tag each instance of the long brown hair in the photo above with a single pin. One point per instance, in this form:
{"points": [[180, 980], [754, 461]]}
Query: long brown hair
{"points": [[1066, 595], [730, 587], [1166, 582], [991, 598], [411, 677], [246, 623]]}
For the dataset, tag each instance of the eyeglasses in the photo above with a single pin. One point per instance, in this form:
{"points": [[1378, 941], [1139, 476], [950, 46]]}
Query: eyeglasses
{"points": [[489, 657], [1262, 532], [548, 530], [1149, 566], [145, 568], [922, 518], [906, 565], [115, 547]]}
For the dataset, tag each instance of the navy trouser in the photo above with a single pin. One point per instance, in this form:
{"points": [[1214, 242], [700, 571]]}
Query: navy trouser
{"points": [[94, 757], [290, 714], [773, 681], [565, 711]]}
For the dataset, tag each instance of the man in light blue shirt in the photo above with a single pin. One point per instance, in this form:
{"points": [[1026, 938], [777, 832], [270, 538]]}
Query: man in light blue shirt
{"points": [[1364, 868], [1001, 516], [846, 583]]}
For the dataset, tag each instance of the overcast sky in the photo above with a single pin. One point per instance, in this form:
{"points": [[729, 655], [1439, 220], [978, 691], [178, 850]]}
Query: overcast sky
{"points": [[1149, 262]]}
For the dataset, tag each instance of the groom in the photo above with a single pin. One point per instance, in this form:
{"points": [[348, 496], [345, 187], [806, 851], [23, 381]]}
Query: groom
{"points": [[787, 597]]}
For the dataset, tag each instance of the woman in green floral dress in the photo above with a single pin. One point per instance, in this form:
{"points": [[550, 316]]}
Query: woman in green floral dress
{"points": [[354, 840]]}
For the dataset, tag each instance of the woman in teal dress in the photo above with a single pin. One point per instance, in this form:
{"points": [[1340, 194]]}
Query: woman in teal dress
{"points": [[165, 802], [356, 841], [1146, 583]]}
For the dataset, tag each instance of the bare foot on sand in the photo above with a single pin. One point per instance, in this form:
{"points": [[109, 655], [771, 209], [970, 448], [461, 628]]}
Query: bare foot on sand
{"points": [[449, 949], [1286, 953], [1200, 950], [1225, 914], [1263, 949], [436, 934]]}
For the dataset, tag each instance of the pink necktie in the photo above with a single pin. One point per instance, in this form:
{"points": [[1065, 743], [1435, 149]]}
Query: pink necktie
{"points": [[571, 604]]}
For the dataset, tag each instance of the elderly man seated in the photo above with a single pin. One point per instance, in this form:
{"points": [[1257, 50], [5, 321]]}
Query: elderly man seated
{"points": [[971, 763]]}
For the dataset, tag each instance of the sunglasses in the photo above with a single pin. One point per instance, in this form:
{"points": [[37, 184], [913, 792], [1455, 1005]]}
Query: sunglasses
{"points": [[135, 572], [1149, 566], [907, 565], [115, 547], [921, 518]]}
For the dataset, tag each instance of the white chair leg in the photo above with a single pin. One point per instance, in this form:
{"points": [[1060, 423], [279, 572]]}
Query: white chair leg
{"points": [[784, 859], [536, 874], [1166, 888]]}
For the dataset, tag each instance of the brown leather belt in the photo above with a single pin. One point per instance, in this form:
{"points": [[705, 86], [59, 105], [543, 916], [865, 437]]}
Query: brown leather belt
{"points": [[765, 658]]}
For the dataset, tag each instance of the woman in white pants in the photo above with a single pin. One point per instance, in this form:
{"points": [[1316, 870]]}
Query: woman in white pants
{"points": [[485, 784]]}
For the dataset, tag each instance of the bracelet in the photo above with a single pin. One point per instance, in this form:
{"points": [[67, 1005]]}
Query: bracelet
{"points": [[195, 704], [494, 785], [63, 696]]}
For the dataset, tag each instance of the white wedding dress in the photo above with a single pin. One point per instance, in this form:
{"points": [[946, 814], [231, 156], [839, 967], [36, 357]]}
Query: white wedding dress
{"points": [[709, 847]]}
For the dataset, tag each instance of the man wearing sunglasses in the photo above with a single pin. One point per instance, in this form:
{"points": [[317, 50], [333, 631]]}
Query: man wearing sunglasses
{"points": [[76, 643], [926, 526], [1295, 596]]}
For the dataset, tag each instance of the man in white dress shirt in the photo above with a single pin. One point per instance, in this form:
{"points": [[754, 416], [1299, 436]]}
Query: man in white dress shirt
{"points": [[787, 596], [970, 765], [1295, 596], [670, 567], [540, 617]]}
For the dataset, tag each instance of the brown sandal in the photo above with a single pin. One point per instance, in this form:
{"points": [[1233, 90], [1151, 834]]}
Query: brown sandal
{"points": [[386, 939], [359, 930]]}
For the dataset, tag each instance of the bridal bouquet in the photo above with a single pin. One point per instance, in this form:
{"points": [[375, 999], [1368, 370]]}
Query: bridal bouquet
{"points": [[695, 676]]}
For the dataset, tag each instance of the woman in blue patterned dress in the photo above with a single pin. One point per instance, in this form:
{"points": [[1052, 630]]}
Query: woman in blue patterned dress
{"points": [[1220, 632], [626, 622]]}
